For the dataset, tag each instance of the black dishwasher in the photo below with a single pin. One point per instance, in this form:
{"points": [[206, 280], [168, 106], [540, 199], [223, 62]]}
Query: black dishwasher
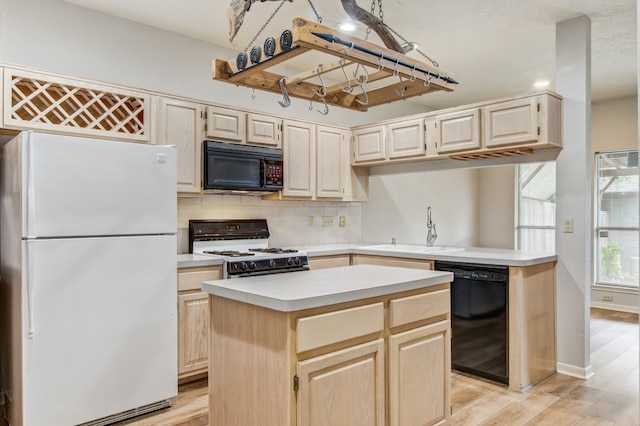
{"points": [[479, 342]]}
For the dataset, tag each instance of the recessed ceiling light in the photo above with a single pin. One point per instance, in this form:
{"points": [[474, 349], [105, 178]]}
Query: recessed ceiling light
{"points": [[347, 26], [541, 83]]}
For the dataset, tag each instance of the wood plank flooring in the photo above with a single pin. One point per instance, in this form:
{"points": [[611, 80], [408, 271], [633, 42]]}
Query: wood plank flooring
{"points": [[609, 398]]}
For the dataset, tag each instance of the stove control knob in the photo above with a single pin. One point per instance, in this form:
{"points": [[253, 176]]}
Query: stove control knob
{"points": [[297, 260], [243, 265], [252, 265], [272, 263], [289, 261]]}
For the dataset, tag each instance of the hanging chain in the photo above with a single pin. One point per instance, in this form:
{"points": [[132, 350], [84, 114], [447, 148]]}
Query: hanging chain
{"points": [[318, 17], [435, 64], [263, 27]]}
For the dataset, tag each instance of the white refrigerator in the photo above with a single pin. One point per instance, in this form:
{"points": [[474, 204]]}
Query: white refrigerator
{"points": [[88, 279]]}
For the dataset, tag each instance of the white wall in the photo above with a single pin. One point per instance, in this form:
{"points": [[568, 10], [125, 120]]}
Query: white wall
{"points": [[496, 207], [60, 37], [398, 200]]}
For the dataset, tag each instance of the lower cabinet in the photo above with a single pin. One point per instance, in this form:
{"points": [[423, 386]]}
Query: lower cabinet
{"points": [[377, 362], [343, 387], [193, 322], [366, 259], [193, 334], [419, 366], [331, 261]]}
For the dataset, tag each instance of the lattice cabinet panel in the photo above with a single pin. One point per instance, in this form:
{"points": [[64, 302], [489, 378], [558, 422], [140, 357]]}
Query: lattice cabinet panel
{"points": [[53, 104]]}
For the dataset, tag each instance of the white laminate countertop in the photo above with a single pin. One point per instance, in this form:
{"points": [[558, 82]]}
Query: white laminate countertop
{"points": [[480, 255], [295, 291]]}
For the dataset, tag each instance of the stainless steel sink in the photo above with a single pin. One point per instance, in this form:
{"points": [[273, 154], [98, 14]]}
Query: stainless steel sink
{"points": [[415, 248]]}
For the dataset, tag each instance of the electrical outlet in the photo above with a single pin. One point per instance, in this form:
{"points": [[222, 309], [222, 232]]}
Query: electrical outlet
{"points": [[327, 221], [567, 225], [310, 220], [343, 221], [607, 298]]}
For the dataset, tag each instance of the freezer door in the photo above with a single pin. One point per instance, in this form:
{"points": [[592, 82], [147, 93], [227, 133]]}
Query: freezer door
{"points": [[100, 327], [86, 187]]}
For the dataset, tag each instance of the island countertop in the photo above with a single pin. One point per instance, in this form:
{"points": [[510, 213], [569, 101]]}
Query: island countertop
{"points": [[296, 291]]}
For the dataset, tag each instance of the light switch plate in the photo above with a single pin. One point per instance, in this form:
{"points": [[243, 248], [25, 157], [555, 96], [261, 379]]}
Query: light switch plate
{"points": [[567, 225]]}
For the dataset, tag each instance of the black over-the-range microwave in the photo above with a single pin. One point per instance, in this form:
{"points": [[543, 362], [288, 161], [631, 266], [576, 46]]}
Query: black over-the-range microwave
{"points": [[241, 169]]}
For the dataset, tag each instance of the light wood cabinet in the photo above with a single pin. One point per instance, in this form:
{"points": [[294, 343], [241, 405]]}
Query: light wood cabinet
{"points": [[226, 124], [264, 130], [406, 139], [316, 164], [299, 143], [458, 131], [420, 376], [369, 144], [193, 333], [366, 259], [52, 103], [193, 322], [514, 122], [329, 365], [180, 123], [331, 261], [344, 387], [329, 170]]}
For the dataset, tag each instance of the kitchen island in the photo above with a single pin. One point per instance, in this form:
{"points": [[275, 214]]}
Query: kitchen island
{"points": [[357, 345]]}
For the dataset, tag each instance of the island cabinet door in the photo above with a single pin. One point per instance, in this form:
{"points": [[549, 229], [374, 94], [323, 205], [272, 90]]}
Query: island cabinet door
{"points": [[343, 388], [419, 376]]}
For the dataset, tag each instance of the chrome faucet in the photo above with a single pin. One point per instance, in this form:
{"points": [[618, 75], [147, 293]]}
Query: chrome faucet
{"points": [[431, 229]]}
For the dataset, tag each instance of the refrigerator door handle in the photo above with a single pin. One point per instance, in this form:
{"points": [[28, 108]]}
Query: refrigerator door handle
{"points": [[29, 259]]}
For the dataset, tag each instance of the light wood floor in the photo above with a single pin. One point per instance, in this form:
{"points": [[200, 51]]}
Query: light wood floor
{"points": [[609, 398]]}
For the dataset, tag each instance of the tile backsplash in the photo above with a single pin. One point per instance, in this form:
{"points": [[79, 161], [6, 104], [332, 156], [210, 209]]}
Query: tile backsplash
{"points": [[291, 223]]}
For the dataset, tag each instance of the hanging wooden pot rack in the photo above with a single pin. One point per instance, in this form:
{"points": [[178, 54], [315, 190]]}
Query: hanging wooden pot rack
{"points": [[394, 76]]}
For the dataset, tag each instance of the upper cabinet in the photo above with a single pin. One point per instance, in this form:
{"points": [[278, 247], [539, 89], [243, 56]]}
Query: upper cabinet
{"points": [[317, 166], [369, 144], [484, 130], [457, 131], [264, 130], [225, 123], [406, 139], [180, 123], [54, 104]]}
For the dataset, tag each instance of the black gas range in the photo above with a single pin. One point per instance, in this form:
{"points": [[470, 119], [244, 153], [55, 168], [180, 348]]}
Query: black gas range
{"points": [[244, 246]]}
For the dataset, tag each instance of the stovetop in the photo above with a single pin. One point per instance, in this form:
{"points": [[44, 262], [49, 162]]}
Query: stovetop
{"points": [[244, 246]]}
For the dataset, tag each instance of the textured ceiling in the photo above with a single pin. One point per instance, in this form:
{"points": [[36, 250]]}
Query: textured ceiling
{"points": [[495, 48]]}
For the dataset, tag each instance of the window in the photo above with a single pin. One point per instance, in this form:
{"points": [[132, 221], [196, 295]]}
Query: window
{"points": [[536, 222], [616, 237]]}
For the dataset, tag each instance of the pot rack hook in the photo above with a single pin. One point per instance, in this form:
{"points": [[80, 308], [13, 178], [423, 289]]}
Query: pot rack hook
{"points": [[427, 80], [401, 94], [286, 101], [323, 89], [362, 84], [380, 63], [253, 94], [413, 76], [310, 105], [349, 88], [395, 67], [326, 107]]}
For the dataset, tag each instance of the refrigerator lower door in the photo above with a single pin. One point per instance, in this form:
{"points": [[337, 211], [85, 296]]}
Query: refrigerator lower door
{"points": [[100, 327], [76, 186]]}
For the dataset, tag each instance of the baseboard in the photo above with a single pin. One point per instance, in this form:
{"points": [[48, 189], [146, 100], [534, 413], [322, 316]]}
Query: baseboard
{"points": [[614, 307], [573, 371]]}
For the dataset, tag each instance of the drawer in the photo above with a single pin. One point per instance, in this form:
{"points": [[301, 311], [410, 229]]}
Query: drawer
{"points": [[324, 262], [420, 307], [191, 278], [333, 327]]}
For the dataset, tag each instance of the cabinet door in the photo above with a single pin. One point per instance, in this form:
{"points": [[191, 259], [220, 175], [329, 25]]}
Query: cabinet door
{"points": [[509, 123], [193, 333], [458, 131], [329, 162], [264, 130], [369, 144], [224, 123], [406, 139], [420, 376], [180, 124], [299, 143], [343, 388]]}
